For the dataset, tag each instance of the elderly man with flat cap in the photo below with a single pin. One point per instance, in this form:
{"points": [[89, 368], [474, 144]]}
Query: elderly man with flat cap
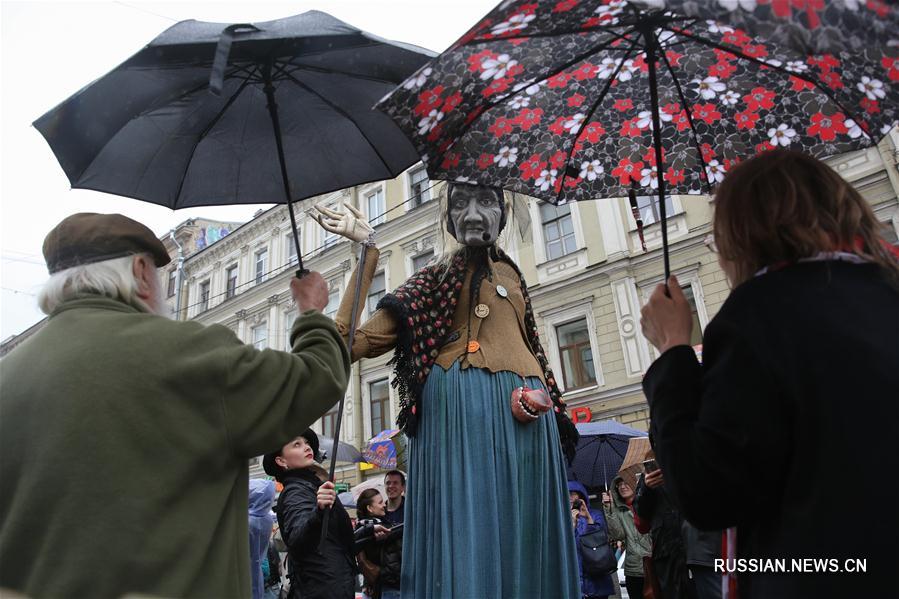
{"points": [[125, 436]]}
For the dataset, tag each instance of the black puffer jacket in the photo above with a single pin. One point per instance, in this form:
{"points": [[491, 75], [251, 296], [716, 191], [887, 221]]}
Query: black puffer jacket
{"points": [[316, 572]]}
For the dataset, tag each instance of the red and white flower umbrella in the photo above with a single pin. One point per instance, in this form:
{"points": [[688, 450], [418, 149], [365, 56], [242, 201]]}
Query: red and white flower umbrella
{"points": [[581, 99]]}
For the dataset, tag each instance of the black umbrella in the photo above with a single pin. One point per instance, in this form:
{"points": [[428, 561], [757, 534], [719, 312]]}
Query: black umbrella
{"points": [[345, 451], [582, 99], [217, 114], [211, 114], [600, 452]]}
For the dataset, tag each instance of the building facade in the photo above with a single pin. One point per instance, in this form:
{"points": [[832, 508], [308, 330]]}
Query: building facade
{"points": [[587, 274]]}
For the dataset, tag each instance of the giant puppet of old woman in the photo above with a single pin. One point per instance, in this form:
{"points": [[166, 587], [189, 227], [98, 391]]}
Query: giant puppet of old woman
{"points": [[486, 510]]}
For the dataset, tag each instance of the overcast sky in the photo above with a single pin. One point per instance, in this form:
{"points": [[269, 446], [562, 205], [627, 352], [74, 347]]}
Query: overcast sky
{"points": [[52, 49]]}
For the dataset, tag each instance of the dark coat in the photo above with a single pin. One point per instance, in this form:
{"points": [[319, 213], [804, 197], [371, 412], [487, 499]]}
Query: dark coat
{"points": [[796, 397], [703, 546], [669, 553], [316, 572], [387, 554]]}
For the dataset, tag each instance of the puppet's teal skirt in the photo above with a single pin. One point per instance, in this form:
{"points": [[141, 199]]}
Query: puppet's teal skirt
{"points": [[486, 511]]}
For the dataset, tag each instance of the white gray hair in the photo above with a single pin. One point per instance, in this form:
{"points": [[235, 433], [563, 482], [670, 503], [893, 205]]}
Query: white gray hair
{"points": [[110, 278]]}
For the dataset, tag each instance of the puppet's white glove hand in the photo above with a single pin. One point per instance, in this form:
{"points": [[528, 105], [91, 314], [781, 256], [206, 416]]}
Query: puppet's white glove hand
{"points": [[350, 224]]}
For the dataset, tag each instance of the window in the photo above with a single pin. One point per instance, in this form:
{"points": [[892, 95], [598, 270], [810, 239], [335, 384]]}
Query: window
{"points": [[558, 230], [204, 295], [379, 397], [422, 260], [291, 249], [231, 281], [333, 304], [173, 282], [374, 203], [260, 336], [576, 354], [419, 187], [648, 206], [289, 319], [696, 335], [261, 265], [376, 292], [329, 422]]}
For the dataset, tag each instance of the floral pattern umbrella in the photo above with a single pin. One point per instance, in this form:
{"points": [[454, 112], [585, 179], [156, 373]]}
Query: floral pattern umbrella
{"points": [[581, 99], [380, 450]]}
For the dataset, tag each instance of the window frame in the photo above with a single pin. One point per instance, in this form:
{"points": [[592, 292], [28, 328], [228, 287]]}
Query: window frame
{"points": [[172, 283], [653, 206], [204, 292], [330, 416], [366, 380], [293, 258], [260, 277], [577, 363], [380, 194], [383, 403], [688, 277], [546, 268], [336, 293], [410, 188], [368, 307], [231, 291], [262, 326], [429, 251], [563, 237], [565, 314]]}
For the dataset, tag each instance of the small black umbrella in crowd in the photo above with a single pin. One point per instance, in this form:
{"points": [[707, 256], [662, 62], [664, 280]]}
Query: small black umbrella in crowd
{"points": [[217, 114], [581, 99], [600, 452]]}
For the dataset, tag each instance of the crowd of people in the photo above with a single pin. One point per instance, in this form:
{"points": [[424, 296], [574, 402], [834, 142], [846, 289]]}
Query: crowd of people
{"points": [[126, 436]]}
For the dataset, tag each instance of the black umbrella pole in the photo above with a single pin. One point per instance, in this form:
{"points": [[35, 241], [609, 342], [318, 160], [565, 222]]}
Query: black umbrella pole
{"points": [[354, 315], [651, 58], [276, 125], [302, 272]]}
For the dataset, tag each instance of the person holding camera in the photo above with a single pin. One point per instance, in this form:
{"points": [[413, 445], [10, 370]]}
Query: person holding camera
{"points": [[379, 546], [596, 560]]}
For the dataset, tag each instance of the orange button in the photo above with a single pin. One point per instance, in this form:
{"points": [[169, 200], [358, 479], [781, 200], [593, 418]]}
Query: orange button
{"points": [[473, 346]]}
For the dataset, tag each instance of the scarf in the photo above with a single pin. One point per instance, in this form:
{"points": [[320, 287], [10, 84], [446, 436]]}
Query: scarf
{"points": [[423, 308]]}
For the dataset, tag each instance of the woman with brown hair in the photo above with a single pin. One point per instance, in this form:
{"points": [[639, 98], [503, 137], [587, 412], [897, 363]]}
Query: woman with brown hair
{"points": [[378, 552], [799, 363]]}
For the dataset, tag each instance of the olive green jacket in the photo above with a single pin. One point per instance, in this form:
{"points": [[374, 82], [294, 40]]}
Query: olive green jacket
{"points": [[124, 447], [620, 519]]}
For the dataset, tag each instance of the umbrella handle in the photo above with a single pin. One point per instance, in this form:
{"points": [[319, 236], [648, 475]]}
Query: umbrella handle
{"points": [[302, 273], [354, 315]]}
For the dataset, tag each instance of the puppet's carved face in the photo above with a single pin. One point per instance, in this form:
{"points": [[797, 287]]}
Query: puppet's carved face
{"points": [[475, 213]]}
